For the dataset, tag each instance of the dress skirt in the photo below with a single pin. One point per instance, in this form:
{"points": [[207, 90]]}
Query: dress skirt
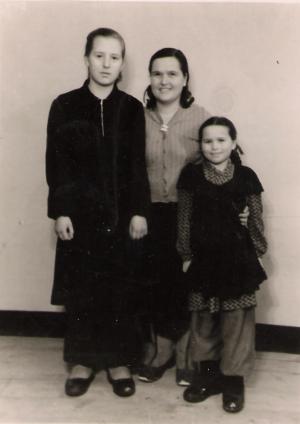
{"points": [[166, 296]]}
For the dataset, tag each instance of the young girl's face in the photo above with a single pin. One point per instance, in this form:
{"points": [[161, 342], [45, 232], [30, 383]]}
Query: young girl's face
{"points": [[217, 145], [167, 80], [105, 61]]}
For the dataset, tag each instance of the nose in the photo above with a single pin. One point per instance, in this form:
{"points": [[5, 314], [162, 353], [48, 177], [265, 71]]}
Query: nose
{"points": [[214, 145], [106, 61], [164, 79]]}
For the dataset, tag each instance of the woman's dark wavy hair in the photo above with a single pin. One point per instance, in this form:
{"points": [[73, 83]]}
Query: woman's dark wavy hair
{"points": [[104, 32], [225, 122], [186, 98]]}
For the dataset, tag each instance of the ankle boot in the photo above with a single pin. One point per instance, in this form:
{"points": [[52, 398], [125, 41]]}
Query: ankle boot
{"points": [[207, 381], [233, 393]]}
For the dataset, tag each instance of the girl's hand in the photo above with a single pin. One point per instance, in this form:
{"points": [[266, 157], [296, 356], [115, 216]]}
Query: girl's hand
{"points": [[64, 228], [186, 265], [243, 216], [138, 227]]}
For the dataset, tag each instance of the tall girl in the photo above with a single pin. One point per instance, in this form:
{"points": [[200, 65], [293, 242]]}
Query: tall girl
{"points": [[98, 197], [220, 258]]}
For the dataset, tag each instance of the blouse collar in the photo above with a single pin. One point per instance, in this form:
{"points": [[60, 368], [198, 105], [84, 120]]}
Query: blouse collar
{"points": [[154, 114]]}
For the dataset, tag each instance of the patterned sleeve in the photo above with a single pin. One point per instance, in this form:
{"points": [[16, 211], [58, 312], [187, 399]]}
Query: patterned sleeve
{"points": [[185, 204], [256, 224]]}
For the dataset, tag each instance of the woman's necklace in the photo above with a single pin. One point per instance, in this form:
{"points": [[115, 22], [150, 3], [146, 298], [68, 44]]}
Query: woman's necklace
{"points": [[166, 118]]}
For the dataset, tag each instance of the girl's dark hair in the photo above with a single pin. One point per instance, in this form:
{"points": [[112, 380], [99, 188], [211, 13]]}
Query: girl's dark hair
{"points": [[186, 98], [103, 32], [225, 122]]}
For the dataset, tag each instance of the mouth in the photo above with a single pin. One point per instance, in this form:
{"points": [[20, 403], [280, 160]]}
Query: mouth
{"points": [[164, 89]]}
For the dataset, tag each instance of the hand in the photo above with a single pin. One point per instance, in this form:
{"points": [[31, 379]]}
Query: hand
{"points": [[64, 228], [186, 265], [138, 227], [243, 216]]}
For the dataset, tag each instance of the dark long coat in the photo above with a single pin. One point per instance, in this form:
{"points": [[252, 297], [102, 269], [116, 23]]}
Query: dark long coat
{"points": [[96, 172]]}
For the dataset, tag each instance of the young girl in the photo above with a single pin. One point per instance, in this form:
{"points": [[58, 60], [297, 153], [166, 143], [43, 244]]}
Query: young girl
{"points": [[98, 196], [220, 259]]}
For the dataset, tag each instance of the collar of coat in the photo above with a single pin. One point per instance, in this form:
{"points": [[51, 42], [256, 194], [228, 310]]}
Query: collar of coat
{"points": [[114, 93]]}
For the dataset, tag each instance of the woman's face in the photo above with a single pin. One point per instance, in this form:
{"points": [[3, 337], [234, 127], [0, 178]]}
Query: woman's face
{"points": [[167, 80], [105, 60]]}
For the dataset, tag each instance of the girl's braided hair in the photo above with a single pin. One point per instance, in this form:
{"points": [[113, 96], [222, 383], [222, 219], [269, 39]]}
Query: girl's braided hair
{"points": [[221, 120]]}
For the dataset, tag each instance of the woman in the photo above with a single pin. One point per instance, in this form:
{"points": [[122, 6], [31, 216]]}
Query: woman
{"points": [[172, 125], [98, 197]]}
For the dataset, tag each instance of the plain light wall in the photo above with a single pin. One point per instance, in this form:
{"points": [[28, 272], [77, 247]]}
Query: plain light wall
{"points": [[244, 61]]}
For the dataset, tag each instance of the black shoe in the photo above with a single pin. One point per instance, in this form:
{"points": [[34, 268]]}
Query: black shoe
{"points": [[123, 387], [207, 382], [78, 386], [184, 377], [149, 374], [233, 393]]}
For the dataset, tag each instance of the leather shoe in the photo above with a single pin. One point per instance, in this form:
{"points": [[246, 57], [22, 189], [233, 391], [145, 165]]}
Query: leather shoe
{"points": [[206, 382], [200, 393], [233, 403], [184, 377], [78, 386], [233, 394], [149, 374], [123, 387]]}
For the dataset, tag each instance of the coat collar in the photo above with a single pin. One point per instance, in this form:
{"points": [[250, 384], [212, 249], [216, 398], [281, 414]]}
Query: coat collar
{"points": [[114, 93]]}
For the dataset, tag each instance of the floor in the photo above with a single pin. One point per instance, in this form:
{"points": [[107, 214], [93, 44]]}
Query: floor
{"points": [[32, 378]]}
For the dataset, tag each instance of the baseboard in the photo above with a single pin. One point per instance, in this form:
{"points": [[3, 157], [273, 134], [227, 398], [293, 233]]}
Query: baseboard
{"points": [[270, 338], [32, 324], [277, 338]]}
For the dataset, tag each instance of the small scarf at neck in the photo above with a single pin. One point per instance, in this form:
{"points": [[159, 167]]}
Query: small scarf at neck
{"points": [[215, 176]]}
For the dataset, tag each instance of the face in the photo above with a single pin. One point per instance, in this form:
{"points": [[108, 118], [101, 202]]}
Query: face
{"points": [[217, 145], [167, 80], [105, 61]]}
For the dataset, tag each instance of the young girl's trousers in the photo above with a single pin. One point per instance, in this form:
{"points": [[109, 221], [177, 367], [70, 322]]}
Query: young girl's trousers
{"points": [[226, 336]]}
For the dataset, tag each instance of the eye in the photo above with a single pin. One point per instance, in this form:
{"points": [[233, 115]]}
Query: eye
{"points": [[115, 57], [206, 140], [173, 74], [99, 55], [155, 74], [221, 139]]}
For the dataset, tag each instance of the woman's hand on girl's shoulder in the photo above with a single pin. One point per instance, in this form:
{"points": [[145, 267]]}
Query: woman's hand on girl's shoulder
{"points": [[64, 228], [138, 227], [243, 216]]}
